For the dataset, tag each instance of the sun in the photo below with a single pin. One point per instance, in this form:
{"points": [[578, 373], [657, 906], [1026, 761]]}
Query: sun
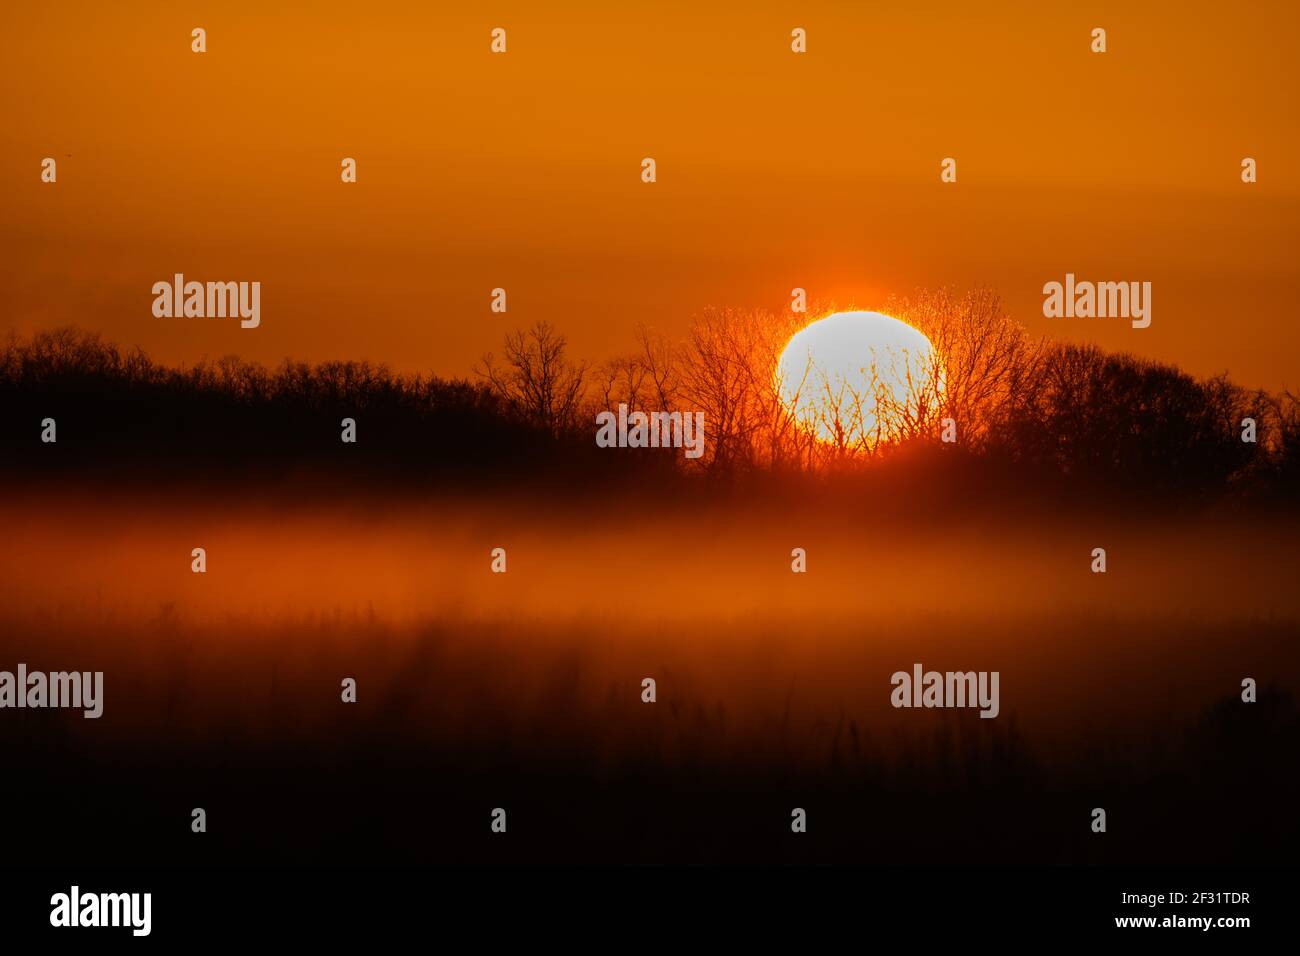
{"points": [[859, 378]]}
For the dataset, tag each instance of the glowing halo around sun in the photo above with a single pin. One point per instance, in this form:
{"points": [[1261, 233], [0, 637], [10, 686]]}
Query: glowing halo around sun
{"points": [[857, 378]]}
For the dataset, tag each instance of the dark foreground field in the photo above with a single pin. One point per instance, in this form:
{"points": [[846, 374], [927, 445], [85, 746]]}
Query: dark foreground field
{"points": [[523, 690]]}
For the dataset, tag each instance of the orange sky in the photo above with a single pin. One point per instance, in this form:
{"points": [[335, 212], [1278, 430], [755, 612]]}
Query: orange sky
{"points": [[522, 170]]}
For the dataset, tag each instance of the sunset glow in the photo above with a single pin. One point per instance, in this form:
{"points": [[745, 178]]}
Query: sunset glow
{"points": [[440, 441]]}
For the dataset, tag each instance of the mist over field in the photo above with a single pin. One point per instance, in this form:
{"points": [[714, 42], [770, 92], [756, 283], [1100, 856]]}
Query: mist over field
{"points": [[524, 689]]}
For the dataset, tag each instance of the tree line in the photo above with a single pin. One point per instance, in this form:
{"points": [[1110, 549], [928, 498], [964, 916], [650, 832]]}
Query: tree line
{"points": [[1018, 406], [1048, 411]]}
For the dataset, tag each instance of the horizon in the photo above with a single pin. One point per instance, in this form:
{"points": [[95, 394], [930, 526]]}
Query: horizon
{"points": [[473, 375]]}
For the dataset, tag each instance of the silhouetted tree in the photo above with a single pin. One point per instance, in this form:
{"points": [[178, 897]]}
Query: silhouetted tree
{"points": [[537, 379]]}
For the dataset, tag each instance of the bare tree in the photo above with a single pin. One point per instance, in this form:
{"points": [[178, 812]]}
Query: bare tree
{"points": [[537, 380], [989, 366]]}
